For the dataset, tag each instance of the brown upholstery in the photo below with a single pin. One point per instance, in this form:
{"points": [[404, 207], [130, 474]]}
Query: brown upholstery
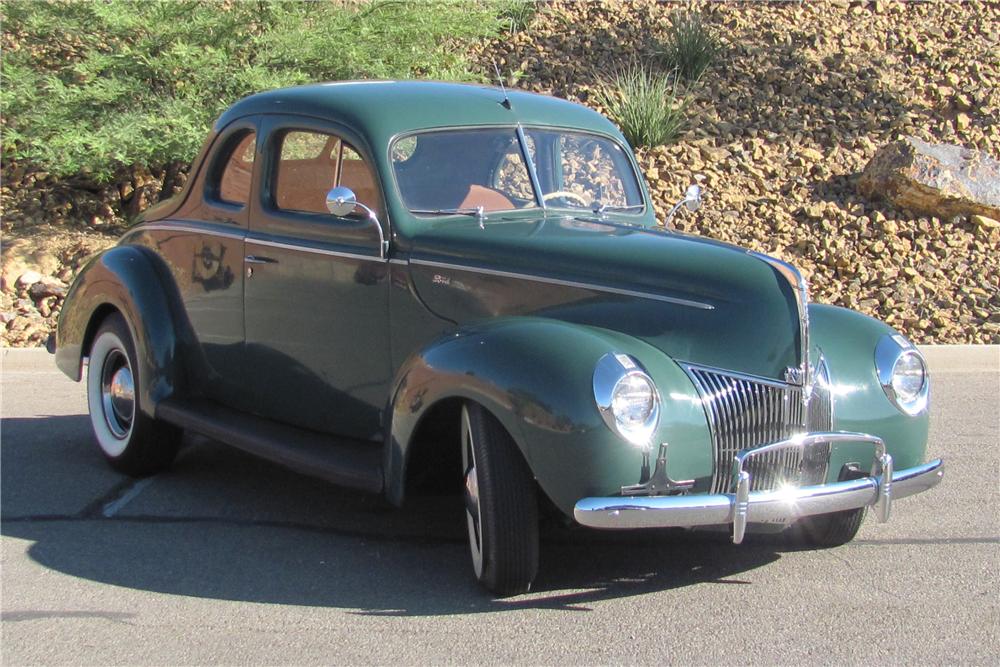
{"points": [[356, 175], [302, 184], [234, 186], [488, 198]]}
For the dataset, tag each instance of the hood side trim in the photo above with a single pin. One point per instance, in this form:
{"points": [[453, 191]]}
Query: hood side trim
{"points": [[567, 283]]}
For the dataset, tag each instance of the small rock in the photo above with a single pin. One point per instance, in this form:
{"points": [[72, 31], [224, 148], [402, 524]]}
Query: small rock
{"points": [[47, 287], [811, 154], [815, 211], [28, 278], [984, 222]]}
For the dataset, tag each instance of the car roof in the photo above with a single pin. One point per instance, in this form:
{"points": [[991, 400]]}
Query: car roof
{"points": [[383, 109]]}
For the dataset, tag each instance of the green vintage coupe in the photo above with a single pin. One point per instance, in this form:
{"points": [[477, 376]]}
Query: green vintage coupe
{"points": [[379, 283]]}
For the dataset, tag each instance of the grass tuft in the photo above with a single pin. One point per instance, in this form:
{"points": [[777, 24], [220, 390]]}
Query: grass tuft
{"points": [[645, 105], [690, 46]]}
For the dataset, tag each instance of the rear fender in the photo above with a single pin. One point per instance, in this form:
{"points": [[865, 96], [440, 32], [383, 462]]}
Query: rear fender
{"points": [[125, 279]]}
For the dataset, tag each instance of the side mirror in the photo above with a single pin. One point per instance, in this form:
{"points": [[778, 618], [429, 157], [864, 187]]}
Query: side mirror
{"points": [[341, 201], [692, 199]]}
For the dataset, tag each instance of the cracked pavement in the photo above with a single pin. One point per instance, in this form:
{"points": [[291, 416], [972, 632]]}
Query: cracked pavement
{"points": [[226, 559]]}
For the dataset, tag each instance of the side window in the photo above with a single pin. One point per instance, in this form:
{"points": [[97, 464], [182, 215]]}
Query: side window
{"points": [[306, 171], [357, 175], [512, 178], [589, 170], [234, 184], [310, 164]]}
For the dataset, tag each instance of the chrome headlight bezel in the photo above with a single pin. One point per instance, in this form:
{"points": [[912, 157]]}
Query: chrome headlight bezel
{"points": [[890, 351], [612, 369]]}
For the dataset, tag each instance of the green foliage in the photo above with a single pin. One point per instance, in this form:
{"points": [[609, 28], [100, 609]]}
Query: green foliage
{"points": [[89, 86], [645, 105], [516, 15], [690, 46]]}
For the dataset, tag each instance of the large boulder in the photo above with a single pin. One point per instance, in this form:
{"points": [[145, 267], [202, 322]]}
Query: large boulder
{"points": [[940, 180]]}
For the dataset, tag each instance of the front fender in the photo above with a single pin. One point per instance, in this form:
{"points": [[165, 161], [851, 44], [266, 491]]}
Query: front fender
{"points": [[124, 278], [536, 376], [848, 339]]}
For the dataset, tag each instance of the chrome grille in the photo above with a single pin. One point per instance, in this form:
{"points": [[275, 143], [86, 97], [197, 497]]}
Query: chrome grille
{"points": [[745, 412]]}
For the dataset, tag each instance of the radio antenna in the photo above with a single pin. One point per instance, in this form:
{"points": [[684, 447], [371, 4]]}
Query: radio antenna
{"points": [[506, 100]]}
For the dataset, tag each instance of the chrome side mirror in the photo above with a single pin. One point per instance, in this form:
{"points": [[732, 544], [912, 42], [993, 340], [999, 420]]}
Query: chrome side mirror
{"points": [[692, 201], [341, 201]]}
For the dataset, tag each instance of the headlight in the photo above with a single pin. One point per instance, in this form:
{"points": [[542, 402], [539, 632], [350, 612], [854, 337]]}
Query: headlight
{"points": [[627, 398], [902, 374]]}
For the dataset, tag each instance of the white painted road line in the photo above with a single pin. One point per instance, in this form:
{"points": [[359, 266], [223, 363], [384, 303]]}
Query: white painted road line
{"points": [[131, 494]]}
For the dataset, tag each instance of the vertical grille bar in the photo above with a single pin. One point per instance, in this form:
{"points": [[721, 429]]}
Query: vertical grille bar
{"points": [[745, 412]]}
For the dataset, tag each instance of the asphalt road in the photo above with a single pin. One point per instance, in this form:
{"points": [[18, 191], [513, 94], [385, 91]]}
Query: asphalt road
{"points": [[226, 559]]}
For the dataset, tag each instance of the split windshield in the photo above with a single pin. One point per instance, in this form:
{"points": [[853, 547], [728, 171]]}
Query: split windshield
{"points": [[458, 171]]}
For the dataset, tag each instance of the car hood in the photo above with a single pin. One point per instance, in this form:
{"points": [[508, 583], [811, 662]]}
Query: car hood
{"points": [[697, 300]]}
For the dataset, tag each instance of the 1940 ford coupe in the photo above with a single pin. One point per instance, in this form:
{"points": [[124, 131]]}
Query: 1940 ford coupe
{"points": [[372, 281]]}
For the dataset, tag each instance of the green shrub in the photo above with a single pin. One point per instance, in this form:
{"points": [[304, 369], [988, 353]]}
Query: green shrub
{"points": [[88, 86], [645, 105], [516, 15], [690, 46]]}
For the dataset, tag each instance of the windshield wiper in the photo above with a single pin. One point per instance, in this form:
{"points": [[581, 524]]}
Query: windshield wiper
{"points": [[478, 211], [601, 208]]}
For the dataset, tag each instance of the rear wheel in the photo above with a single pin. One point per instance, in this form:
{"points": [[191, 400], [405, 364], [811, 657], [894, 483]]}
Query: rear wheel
{"points": [[828, 530], [131, 441], [500, 505]]}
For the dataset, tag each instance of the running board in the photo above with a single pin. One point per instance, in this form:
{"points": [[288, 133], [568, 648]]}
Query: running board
{"points": [[350, 463]]}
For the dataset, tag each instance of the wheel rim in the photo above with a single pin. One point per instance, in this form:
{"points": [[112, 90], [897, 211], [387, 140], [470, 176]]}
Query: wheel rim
{"points": [[117, 394], [473, 512]]}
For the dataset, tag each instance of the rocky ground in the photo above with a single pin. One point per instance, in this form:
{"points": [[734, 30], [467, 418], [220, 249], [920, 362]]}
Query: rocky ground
{"points": [[798, 101]]}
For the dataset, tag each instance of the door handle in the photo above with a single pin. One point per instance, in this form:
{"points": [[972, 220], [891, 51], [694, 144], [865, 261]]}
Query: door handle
{"points": [[258, 259]]}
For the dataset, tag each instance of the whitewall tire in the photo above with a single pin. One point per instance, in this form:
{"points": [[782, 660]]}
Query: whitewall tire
{"points": [[131, 441]]}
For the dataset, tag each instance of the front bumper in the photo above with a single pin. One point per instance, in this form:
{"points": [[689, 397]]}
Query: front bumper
{"points": [[776, 506]]}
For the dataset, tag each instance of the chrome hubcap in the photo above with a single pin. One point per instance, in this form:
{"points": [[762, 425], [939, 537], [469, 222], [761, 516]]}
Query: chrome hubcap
{"points": [[473, 513], [118, 394]]}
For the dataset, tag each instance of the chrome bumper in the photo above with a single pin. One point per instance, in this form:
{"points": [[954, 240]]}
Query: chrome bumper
{"points": [[777, 506]]}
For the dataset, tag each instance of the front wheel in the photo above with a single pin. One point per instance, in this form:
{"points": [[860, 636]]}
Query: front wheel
{"points": [[132, 442], [500, 505], [828, 530]]}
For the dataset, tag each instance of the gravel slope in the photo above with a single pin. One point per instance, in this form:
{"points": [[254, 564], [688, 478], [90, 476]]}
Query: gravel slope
{"points": [[782, 124]]}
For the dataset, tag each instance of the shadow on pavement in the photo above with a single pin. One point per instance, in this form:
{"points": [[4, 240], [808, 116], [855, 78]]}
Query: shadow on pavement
{"points": [[226, 526]]}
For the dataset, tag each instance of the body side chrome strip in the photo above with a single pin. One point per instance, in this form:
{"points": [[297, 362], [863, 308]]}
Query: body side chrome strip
{"points": [[317, 251], [566, 283], [197, 229], [182, 227]]}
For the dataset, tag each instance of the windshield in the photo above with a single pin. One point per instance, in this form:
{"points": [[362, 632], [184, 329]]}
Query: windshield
{"points": [[458, 171]]}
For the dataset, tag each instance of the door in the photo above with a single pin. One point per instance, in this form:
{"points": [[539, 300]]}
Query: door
{"points": [[202, 247], [316, 289]]}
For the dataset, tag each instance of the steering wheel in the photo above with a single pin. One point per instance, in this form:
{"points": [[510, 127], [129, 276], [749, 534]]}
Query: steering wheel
{"points": [[567, 194]]}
